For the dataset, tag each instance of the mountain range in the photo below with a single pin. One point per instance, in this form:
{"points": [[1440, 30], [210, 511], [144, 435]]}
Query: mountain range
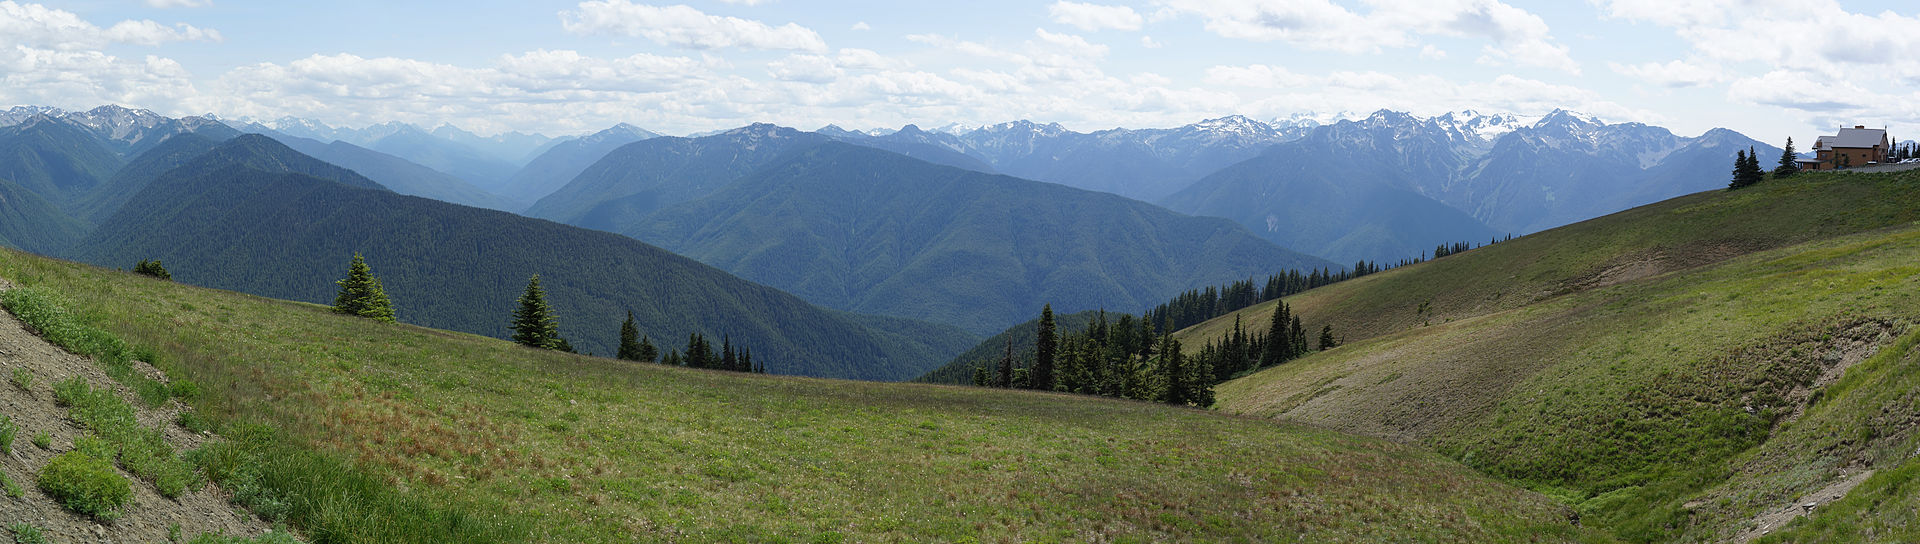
{"points": [[253, 215], [875, 215]]}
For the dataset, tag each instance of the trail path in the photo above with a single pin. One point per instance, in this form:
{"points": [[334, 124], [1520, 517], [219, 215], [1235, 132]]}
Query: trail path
{"points": [[148, 519]]}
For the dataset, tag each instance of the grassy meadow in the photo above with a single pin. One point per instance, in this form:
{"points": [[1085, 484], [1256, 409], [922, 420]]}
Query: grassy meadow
{"points": [[353, 430], [1670, 372]]}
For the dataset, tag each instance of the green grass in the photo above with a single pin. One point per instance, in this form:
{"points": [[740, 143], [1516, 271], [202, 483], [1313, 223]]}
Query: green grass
{"points": [[86, 484], [460, 429], [8, 430], [1665, 407], [275, 537], [21, 379], [142, 450], [44, 313], [11, 488], [26, 533]]}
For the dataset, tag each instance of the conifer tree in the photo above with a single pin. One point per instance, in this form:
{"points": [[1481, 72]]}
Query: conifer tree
{"points": [[534, 324], [1005, 379], [361, 294], [728, 360], [648, 352], [1276, 342], [1788, 165], [629, 340], [1173, 373], [1046, 347], [1326, 338], [1299, 337]]}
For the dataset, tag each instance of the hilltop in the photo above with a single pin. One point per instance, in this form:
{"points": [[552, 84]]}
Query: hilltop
{"points": [[1674, 372], [482, 439]]}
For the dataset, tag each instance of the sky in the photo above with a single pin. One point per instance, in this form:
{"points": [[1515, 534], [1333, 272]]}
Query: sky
{"points": [[1767, 68]]}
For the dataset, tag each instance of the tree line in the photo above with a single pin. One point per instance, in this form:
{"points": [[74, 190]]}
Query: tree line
{"points": [[536, 325], [1128, 357]]}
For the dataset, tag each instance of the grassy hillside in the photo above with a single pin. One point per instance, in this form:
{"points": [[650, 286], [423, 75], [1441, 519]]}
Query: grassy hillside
{"points": [[233, 219], [1670, 371], [870, 231], [578, 449]]}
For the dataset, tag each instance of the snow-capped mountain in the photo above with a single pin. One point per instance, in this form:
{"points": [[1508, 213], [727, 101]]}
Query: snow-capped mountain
{"points": [[19, 114], [1139, 163], [1510, 173]]}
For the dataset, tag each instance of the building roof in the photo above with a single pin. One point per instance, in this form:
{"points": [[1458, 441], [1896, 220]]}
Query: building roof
{"points": [[1821, 142], [1858, 137]]}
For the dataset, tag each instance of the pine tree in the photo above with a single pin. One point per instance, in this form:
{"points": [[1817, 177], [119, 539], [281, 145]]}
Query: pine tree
{"points": [[534, 324], [1046, 347], [648, 352], [1276, 342], [728, 360], [361, 293], [629, 340], [1173, 373], [1740, 178], [1005, 379], [1326, 338], [1788, 165]]}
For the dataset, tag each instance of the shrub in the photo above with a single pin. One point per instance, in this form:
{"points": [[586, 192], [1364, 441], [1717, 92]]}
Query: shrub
{"points": [[42, 440], [7, 431], [27, 533], [152, 268], [86, 484], [22, 379], [12, 489]]}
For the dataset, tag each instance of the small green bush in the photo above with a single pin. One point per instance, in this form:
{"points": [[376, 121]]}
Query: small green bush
{"points": [[22, 379], [86, 484], [7, 431], [12, 489], [152, 268], [27, 533], [42, 440]]}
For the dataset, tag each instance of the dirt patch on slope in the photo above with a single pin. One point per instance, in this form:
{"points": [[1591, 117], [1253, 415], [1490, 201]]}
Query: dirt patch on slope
{"points": [[1660, 260], [148, 519], [1778, 517]]}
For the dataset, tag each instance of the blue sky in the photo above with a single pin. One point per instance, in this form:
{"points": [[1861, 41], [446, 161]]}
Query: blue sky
{"points": [[1768, 68]]}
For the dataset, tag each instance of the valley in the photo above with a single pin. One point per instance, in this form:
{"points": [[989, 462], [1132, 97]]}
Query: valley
{"points": [[1651, 361]]}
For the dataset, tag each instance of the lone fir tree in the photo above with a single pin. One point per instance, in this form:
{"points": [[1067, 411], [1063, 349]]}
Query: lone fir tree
{"points": [[630, 348], [1788, 164], [361, 293], [534, 324], [1045, 349]]}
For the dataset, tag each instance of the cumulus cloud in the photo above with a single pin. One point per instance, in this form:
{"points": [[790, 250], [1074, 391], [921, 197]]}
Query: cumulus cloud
{"points": [[686, 27], [35, 25], [805, 68], [54, 57], [1674, 74], [1516, 36], [1092, 17]]}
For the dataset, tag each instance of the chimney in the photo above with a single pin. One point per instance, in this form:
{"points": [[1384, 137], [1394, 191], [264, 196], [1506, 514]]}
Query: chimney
{"points": [[1859, 127]]}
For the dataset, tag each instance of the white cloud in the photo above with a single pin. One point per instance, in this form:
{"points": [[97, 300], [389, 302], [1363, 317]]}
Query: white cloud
{"points": [[745, 2], [1674, 74], [36, 25], [805, 68], [1429, 52], [683, 26], [150, 33], [1092, 17], [1258, 76], [1517, 36], [163, 4], [1797, 90], [867, 59], [1149, 43], [861, 25]]}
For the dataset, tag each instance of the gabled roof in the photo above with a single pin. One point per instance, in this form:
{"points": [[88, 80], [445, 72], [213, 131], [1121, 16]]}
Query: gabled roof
{"points": [[1821, 142], [1859, 137]]}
